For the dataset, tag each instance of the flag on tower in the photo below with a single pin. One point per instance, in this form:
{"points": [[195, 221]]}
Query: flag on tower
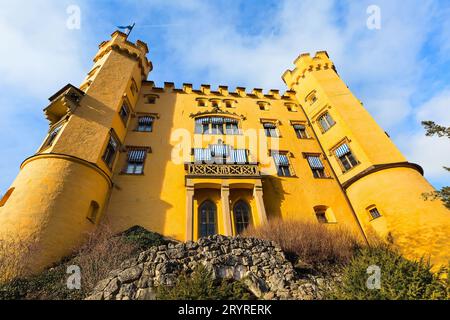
{"points": [[127, 29]]}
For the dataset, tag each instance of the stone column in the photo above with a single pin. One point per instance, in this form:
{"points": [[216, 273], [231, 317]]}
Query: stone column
{"points": [[189, 211], [225, 199], [258, 195]]}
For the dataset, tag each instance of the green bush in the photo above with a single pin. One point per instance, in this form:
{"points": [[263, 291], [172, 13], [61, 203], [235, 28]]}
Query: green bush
{"points": [[401, 279], [201, 285], [143, 238]]}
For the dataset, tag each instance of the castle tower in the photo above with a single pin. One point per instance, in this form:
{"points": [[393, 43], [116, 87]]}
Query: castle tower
{"points": [[61, 191], [384, 189]]}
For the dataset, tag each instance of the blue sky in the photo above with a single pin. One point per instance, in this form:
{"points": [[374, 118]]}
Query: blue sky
{"points": [[401, 72]]}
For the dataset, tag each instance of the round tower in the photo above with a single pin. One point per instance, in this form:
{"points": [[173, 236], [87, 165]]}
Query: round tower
{"points": [[61, 192], [385, 190]]}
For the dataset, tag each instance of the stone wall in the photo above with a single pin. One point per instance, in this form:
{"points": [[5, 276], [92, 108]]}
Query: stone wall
{"points": [[260, 264]]}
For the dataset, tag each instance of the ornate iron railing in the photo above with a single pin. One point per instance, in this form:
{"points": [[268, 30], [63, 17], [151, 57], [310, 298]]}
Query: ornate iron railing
{"points": [[232, 170]]}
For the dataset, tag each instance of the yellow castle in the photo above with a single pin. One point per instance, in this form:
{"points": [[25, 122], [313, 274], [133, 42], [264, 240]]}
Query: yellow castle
{"points": [[190, 162]]}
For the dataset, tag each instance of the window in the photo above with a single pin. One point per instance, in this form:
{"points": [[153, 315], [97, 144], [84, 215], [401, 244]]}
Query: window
{"points": [[312, 97], [52, 136], [282, 164], [316, 166], [321, 216], [150, 99], [136, 160], [326, 122], [124, 114], [110, 151], [241, 216], [346, 157], [93, 212], [145, 124], [201, 103], [263, 105], [374, 213], [219, 154], [291, 107], [228, 104], [217, 125], [270, 128], [300, 131], [207, 219], [133, 87], [6, 196], [215, 103], [231, 126]]}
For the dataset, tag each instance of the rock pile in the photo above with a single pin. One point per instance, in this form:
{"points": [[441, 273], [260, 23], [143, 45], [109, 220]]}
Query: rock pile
{"points": [[260, 264]]}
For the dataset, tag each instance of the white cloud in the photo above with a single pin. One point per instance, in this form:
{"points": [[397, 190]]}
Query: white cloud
{"points": [[39, 53], [38, 56]]}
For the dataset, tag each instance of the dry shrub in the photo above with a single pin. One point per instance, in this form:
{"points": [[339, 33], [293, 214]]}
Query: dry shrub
{"points": [[102, 252], [13, 253], [311, 243]]}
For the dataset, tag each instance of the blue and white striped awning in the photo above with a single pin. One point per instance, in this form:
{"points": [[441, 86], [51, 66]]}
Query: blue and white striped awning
{"points": [[239, 156], [203, 120], [280, 159], [220, 150], [201, 155], [137, 155], [270, 125], [342, 150], [299, 127], [217, 120], [231, 120], [145, 121], [315, 162]]}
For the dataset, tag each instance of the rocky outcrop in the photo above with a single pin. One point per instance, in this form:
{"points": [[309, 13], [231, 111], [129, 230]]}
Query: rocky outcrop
{"points": [[260, 264]]}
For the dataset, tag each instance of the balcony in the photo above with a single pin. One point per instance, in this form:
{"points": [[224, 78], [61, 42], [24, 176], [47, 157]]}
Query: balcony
{"points": [[222, 170]]}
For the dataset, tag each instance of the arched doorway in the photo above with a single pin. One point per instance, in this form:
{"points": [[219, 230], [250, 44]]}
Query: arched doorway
{"points": [[242, 215], [207, 217]]}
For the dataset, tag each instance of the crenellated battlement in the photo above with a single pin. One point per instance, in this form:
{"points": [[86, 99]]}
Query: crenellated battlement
{"points": [[222, 91], [304, 64], [120, 43]]}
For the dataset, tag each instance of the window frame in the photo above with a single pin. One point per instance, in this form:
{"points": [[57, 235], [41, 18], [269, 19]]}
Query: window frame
{"points": [[112, 137], [212, 207], [151, 126], [125, 118], [326, 116], [371, 216]]}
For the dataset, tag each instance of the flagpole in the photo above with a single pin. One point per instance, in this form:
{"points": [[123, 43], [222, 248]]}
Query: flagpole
{"points": [[131, 29]]}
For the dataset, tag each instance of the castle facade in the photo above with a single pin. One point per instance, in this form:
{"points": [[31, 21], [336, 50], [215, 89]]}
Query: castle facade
{"points": [[190, 162]]}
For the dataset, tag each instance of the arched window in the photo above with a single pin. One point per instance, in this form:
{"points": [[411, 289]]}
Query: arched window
{"points": [[6, 197], [207, 216], [241, 216], [93, 212]]}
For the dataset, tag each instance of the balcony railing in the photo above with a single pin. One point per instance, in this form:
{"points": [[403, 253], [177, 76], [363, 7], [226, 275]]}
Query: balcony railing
{"points": [[220, 170]]}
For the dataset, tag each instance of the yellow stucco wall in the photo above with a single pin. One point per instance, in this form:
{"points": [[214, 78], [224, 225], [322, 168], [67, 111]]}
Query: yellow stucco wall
{"points": [[49, 205]]}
